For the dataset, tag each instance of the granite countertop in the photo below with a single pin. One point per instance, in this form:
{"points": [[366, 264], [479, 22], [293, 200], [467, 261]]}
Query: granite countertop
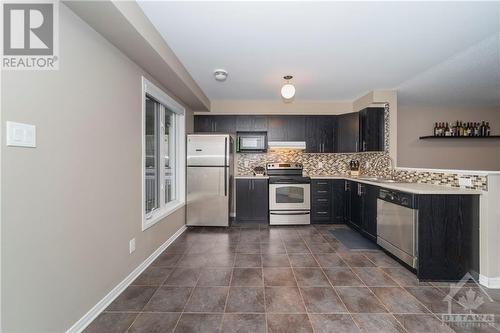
{"points": [[416, 188]]}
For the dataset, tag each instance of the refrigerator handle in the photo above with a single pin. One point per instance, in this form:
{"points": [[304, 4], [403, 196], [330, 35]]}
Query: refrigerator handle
{"points": [[225, 167]]}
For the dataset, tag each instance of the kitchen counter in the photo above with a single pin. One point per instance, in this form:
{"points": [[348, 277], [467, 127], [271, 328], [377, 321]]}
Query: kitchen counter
{"points": [[416, 188], [251, 177]]}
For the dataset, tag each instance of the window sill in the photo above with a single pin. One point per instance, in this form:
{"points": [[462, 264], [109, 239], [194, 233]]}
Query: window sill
{"points": [[169, 209]]}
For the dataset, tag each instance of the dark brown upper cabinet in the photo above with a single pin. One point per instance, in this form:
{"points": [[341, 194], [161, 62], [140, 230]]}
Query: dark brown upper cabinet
{"points": [[320, 134], [251, 123], [371, 126], [286, 128], [348, 133]]}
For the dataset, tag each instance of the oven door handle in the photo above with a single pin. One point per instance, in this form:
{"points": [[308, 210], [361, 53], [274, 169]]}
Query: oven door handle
{"points": [[298, 213]]}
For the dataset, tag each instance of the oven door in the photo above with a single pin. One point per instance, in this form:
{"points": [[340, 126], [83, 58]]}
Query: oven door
{"points": [[289, 197]]}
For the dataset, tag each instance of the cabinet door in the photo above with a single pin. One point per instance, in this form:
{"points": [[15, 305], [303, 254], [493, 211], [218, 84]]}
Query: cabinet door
{"points": [[370, 195], [338, 201], [327, 132], [203, 124], [348, 133], [243, 200], [356, 205], [259, 123], [321, 201], [295, 128], [276, 128], [260, 200], [225, 124], [244, 123], [371, 129], [313, 143]]}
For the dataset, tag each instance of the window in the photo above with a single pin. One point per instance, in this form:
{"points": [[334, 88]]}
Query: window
{"points": [[163, 165]]}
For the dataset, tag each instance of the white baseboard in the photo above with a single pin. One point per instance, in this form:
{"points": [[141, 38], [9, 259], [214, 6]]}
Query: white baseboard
{"points": [[492, 283], [83, 322]]}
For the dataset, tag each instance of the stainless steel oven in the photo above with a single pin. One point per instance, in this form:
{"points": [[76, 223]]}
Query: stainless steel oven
{"points": [[289, 194]]}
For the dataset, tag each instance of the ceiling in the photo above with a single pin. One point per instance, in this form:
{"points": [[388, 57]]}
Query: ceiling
{"points": [[335, 50]]}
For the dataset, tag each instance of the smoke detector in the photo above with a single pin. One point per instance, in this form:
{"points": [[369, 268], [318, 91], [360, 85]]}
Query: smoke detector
{"points": [[220, 75]]}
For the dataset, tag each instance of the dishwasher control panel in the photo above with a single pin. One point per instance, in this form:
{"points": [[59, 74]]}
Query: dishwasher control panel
{"points": [[399, 198]]}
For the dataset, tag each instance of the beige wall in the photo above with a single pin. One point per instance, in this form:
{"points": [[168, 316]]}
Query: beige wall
{"points": [[465, 87], [416, 121], [70, 206]]}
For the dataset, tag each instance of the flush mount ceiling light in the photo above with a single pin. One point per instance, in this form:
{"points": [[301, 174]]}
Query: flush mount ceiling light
{"points": [[220, 75], [288, 90]]}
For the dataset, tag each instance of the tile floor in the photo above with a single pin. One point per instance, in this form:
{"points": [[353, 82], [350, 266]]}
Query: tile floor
{"points": [[279, 279]]}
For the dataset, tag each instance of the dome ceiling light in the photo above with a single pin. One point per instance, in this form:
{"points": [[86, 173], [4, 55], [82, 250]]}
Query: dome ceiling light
{"points": [[220, 75], [288, 89]]}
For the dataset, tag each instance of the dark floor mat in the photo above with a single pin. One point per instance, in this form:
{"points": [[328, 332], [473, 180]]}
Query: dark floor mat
{"points": [[353, 240]]}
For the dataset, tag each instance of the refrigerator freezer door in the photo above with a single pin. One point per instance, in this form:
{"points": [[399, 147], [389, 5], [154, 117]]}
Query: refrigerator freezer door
{"points": [[208, 150], [207, 196]]}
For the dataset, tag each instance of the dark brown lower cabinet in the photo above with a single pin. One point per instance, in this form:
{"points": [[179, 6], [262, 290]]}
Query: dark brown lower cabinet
{"points": [[448, 237], [252, 200]]}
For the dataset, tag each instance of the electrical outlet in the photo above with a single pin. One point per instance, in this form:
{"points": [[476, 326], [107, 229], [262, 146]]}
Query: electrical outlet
{"points": [[465, 182], [131, 245], [247, 164], [320, 165]]}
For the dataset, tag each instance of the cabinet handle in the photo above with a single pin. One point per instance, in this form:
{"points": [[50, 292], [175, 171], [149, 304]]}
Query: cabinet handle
{"points": [[322, 191], [322, 213], [322, 200], [346, 186], [321, 183], [364, 145]]}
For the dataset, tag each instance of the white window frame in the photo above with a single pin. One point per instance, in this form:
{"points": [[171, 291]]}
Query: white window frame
{"points": [[164, 210]]}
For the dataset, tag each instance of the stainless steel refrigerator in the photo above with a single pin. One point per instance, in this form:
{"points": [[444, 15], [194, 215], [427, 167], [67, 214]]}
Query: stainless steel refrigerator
{"points": [[209, 179]]}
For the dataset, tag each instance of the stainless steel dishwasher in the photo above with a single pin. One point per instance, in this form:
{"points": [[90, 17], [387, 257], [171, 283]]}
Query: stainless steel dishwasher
{"points": [[397, 224]]}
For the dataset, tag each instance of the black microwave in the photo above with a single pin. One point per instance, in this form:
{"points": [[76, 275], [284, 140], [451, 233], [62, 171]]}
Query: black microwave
{"points": [[251, 142]]}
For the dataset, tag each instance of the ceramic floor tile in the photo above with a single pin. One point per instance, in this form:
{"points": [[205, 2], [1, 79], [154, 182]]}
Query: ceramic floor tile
{"points": [[329, 260], [338, 323], [322, 300], [303, 260], [284, 300], [342, 276], [422, 323], [311, 277], [288, 323], [132, 299], [279, 277], [275, 260], [398, 300], [247, 260], [169, 299], [245, 299], [183, 277], [373, 276], [154, 322], [244, 323], [207, 299], [111, 322], [199, 323], [153, 276], [377, 323], [360, 300], [247, 277], [215, 277]]}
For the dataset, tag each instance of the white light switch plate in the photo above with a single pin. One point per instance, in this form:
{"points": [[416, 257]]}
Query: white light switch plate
{"points": [[20, 135], [462, 181]]}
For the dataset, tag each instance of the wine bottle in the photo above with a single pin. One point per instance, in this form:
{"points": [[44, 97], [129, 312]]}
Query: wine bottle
{"points": [[482, 129], [435, 129], [488, 129], [447, 131]]}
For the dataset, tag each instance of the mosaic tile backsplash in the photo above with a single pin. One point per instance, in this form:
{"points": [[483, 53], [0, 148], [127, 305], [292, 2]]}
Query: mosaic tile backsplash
{"points": [[374, 164]]}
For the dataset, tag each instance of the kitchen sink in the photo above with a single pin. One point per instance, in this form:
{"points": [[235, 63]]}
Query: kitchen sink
{"points": [[379, 180]]}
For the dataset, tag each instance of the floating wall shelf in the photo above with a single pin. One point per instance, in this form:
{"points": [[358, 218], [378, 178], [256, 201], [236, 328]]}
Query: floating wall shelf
{"points": [[459, 137]]}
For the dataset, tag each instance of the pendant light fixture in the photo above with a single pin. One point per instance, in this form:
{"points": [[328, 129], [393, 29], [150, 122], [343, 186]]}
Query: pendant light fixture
{"points": [[288, 90]]}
